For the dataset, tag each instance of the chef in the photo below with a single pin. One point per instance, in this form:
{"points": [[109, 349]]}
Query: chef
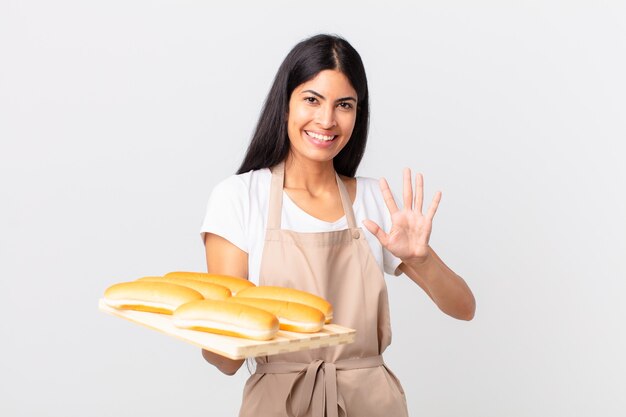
{"points": [[292, 216]]}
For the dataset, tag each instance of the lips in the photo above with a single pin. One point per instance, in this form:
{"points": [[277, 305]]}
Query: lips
{"points": [[320, 137]]}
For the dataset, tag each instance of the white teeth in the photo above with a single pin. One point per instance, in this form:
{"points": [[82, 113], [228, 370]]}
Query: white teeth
{"points": [[320, 137]]}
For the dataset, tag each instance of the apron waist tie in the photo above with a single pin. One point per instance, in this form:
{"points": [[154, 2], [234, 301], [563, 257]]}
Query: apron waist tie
{"points": [[319, 384]]}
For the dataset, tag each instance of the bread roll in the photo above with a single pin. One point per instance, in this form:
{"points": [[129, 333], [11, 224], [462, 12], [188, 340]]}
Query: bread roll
{"points": [[235, 284], [292, 295], [209, 291], [293, 317], [223, 317], [155, 297]]}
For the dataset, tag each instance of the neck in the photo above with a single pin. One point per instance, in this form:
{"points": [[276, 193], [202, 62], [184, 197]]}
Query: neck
{"points": [[312, 176]]}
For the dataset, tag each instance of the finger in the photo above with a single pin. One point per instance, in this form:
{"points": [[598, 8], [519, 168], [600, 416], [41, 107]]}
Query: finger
{"points": [[433, 206], [419, 193], [407, 189], [376, 231], [387, 196]]}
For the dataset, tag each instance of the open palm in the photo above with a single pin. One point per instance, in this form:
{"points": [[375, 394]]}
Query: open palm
{"points": [[410, 229]]}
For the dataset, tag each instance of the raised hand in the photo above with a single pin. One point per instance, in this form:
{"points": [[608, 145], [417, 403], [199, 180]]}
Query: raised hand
{"points": [[410, 229]]}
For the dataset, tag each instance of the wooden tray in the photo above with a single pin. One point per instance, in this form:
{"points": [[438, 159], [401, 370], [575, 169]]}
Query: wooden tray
{"points": [[236, 347]]}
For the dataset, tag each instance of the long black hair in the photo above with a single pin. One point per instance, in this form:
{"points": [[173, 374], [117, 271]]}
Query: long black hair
{"points": [[270, 142]]}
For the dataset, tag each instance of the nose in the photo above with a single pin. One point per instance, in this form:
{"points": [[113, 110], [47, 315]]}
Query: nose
{"points": [[326, 116]]}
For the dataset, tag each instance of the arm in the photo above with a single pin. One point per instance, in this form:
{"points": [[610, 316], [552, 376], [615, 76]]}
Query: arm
{"points": [[224, 258], [447, 290], [408, 240]]}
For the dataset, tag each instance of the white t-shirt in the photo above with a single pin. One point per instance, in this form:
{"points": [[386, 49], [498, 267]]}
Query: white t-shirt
{"points": [[238, 209]]}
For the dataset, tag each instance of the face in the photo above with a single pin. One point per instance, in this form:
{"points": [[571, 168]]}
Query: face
{"points": [[322, 112]]}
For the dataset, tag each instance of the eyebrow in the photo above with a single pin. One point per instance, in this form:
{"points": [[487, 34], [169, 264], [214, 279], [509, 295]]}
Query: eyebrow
{"points": [[315, 93]]}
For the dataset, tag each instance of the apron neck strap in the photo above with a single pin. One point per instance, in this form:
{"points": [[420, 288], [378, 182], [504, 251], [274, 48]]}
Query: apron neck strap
{"points": [[276, 198], [346, 203]]}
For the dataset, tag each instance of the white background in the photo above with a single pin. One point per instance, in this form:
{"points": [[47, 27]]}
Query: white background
{"points": [[117, 119]]}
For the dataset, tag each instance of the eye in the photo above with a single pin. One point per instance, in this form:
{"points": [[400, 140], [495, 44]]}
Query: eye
{"points": [[310, 100], [346, 105]]}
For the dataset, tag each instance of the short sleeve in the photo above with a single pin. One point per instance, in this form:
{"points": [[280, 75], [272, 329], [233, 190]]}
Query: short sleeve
{"points": [[390, 262], [227, 212]]}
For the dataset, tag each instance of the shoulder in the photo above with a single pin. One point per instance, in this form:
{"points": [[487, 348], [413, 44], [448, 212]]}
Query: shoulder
{"points": [[370, 187], [242, 184], [370, 197], [231, 204], [366, 184]]}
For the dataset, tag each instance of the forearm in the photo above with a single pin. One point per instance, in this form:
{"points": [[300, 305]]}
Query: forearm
{"points": [[448, 290], [226, 259]]}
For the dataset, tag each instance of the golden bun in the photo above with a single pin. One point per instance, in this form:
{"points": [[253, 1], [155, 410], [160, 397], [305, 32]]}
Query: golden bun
{"points": [[209, 291], [226, 318], [291, 295], [155, 297], [235, 284], [293, 317]]}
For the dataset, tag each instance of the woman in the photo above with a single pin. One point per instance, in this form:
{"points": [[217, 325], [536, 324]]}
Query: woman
{"points": [[290, 217]]}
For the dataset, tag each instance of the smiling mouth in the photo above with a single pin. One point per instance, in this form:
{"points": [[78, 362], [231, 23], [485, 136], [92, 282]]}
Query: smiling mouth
{"points": [[320, 137]]}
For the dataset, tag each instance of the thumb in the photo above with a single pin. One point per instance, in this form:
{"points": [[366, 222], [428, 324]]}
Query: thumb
{"points": [[376, 231]]}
